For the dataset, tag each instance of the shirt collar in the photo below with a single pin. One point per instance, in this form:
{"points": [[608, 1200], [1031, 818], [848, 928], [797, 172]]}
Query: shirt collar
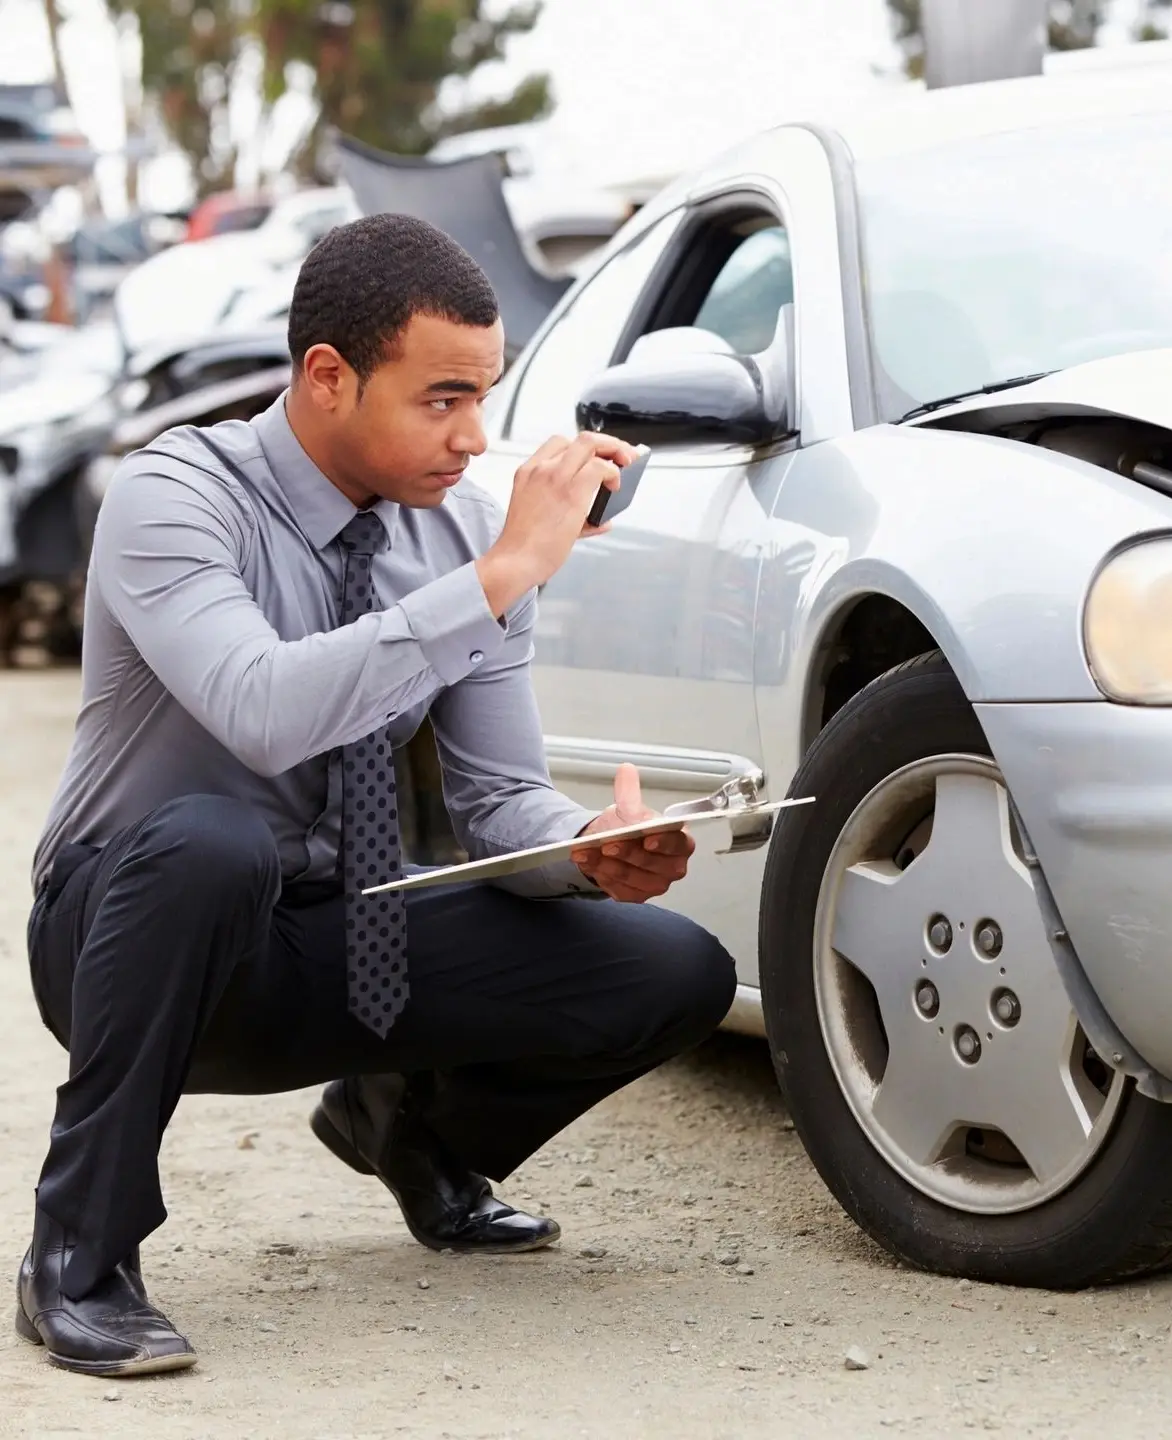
{"points": [[318, 506]]}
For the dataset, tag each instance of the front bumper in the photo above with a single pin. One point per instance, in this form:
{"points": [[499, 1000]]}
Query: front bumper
{"points": [[1093, 783]]}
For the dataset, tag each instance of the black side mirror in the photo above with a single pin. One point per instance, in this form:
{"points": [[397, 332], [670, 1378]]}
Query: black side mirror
{"points": [[694, 396]]}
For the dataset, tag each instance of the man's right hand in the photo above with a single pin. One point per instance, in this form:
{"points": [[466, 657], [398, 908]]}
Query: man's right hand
{"points": [[552, 496]]}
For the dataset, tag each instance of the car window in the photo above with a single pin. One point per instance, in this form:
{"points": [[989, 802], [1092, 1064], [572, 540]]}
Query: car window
{"points": [[583, 340], [745, 300], [1000, 255]]}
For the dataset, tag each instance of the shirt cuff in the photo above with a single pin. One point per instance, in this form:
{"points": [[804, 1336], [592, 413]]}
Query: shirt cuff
{"points": [[450, 619], [560, 878], [563, 876]]}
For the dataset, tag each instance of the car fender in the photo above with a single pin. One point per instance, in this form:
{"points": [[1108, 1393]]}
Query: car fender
{"points": [[990, 543]]}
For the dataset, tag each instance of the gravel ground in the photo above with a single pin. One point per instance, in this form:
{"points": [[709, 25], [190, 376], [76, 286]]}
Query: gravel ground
{"points": [[706, 1285]]}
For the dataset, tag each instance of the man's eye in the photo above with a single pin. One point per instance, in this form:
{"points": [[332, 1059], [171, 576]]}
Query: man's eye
{"points": [[443, 406]]}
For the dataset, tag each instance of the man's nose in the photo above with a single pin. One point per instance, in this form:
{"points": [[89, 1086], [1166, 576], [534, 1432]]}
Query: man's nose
{"points": [[468, 437]]}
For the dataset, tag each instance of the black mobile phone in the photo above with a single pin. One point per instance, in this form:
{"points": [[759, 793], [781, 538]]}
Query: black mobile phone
{"points": [[609, 503]]}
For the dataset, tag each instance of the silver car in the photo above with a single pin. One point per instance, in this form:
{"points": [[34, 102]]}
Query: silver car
{"points": [[905, 546]]}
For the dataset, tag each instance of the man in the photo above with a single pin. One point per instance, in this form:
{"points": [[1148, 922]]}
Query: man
{"points": [[272, 609]]}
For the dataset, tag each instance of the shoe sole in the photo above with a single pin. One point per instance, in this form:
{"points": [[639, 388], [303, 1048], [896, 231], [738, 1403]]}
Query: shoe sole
{"points": [[337, 1144], [156, 1365]]}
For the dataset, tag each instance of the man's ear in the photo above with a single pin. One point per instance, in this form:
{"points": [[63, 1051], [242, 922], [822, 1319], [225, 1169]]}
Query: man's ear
{"points": [[328, 379]]}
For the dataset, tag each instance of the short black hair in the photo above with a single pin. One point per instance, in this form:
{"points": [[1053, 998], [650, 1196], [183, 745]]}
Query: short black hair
{"points": [[363, 282]]}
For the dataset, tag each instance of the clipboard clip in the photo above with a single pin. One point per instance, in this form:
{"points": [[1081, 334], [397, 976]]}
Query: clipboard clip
{"points": [[740, 798]]}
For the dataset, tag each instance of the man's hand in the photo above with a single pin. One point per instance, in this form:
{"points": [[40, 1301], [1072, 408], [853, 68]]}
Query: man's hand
{"points": [[639, 868], [552, 496]]}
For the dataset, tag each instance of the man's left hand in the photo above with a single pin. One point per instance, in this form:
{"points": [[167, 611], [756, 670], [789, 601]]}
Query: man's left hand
{"points": [[643, 866]]}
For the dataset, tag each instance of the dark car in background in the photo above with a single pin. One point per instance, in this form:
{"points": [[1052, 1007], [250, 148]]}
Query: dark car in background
{"points": [[41, 149], [67, 419], [41, 146]]}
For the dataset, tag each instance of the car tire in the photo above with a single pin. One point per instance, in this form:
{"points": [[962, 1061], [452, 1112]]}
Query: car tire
{"points": [[1112, 1221]]}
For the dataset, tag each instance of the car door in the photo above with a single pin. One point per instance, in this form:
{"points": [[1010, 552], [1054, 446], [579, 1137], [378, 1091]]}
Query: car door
{"points": [[644, 642]]}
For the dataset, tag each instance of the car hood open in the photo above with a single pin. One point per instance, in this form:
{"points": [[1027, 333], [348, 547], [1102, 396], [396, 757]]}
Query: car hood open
{"points": [[1115, 414], [1136, 386]]}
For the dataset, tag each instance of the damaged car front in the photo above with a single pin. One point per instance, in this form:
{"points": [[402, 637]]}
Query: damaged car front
{"points": [[54, 416]]}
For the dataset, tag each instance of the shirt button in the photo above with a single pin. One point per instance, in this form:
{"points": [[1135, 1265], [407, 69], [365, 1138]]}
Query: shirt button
{"points": [[476, 657]]}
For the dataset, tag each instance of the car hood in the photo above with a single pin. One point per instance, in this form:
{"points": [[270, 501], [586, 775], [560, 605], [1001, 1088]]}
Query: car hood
{"points": [[1136, 385], [185, 290], [49, 401]]}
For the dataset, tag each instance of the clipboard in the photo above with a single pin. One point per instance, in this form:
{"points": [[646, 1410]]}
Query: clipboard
{"points": [[750, 820]]}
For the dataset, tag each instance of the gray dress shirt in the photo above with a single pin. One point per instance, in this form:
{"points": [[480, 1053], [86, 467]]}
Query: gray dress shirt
{"points": [[214, 662]]}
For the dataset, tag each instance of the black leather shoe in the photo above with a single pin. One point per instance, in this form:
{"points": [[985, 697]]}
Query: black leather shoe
{"points": [[113, 1330], [446, 1206]]}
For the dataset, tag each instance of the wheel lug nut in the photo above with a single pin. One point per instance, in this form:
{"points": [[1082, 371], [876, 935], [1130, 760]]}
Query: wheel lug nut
{"points": [[989, 939], [927, 999], [968, 1044], [1006, 1007], [940, 932]]}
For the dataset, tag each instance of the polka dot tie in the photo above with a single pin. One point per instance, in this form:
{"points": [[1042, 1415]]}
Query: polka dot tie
{"points": [[376, 925]]}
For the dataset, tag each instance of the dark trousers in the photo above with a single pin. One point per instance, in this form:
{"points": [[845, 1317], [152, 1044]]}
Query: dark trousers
{"points": [[172, 961]]}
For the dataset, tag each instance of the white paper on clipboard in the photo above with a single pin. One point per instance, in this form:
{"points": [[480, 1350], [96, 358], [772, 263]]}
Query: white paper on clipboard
{"points": [[520, 860]]}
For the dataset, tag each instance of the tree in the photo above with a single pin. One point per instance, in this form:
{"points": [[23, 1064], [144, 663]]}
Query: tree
{"points": [[378, 68], [190, 58], [1073, 25], [53, 25], [379, 65], [1152, 25]]}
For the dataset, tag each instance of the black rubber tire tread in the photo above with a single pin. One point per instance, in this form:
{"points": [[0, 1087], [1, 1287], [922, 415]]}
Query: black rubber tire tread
{"points": [[1115, 1220]]}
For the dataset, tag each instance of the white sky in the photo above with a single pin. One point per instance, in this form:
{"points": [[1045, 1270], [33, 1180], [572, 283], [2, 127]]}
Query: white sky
{"points": [[640, 84]]}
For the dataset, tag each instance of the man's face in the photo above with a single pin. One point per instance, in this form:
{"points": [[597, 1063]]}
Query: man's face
{"points": [[418, 421]]}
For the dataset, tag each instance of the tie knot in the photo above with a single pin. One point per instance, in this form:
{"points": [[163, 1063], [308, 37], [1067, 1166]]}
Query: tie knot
{"points": [[364, 534]]}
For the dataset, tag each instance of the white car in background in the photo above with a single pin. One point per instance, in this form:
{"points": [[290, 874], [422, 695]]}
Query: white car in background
{"points": [[240, 279]]}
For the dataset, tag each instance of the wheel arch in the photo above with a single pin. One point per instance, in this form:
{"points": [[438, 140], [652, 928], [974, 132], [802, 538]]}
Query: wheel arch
{"points": [[861, 640], [862, 626]]}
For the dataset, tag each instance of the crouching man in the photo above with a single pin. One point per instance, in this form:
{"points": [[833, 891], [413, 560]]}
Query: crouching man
{"points": [[272, 609]]}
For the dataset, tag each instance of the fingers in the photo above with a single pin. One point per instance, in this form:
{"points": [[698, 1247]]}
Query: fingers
{"points": [[672, 861], [654, 851], [628, 795], [608, 447], [577, 469], [631, 870], [581, 466], [597, 472], [625, 895], [552, 448], [571, 455], [588, 532], [621, 880], [635, 868], [673, 842], [632, 856]]}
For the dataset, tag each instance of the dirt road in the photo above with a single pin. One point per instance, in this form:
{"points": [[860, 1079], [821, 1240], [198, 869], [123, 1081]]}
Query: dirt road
{"points": [[706, 1285]]}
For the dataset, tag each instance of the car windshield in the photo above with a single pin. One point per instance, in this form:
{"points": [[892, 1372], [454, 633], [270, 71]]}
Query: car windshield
{"points": [[1013, 254]]}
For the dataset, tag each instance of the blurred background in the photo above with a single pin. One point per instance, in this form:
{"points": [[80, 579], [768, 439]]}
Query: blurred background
{"points": [[165, 165]]}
